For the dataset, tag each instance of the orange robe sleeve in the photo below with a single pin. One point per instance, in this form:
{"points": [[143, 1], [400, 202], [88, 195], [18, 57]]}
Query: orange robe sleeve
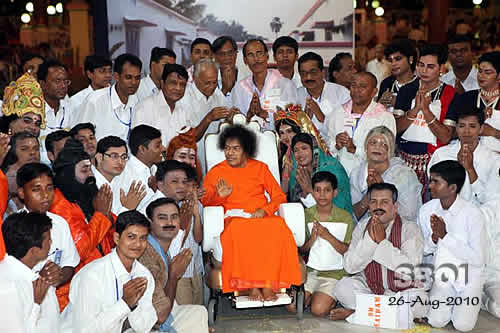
{"points": [[4, 196], [277, 197]]}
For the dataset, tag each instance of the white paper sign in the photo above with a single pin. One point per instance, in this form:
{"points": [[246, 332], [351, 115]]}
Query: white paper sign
{"points": [[323, 256]]}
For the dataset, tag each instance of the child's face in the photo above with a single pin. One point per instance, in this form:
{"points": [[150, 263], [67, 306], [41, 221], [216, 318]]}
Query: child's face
{"points": [[323, 193]]}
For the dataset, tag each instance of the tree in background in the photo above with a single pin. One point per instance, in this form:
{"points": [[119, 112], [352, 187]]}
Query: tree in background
{"points": [[220, 28]]}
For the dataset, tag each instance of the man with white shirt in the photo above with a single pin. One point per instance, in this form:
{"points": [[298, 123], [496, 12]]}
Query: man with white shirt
{"points": [[112, 156], [111, 109], [116, 288], [59, 112], [146, 150], [463, 75], [480, 163], [201, 48], [286, 53], [260, 93], [163, 109], [28, 302], [35, 183], [454, 236], [381, 244], [225, 51], [379, 66], [98, 70], [151, 84], [319, 98]]}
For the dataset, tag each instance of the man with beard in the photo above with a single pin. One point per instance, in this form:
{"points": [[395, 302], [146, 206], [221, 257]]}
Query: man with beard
{"points": [[380, 244], [86, 208]]}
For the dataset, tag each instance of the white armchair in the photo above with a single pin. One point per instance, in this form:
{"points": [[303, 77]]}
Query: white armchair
{"points": [[267, 152]]}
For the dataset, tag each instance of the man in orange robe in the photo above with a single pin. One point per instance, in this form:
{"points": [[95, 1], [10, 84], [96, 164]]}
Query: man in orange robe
{"points": [[259, 253], [78, 200]]}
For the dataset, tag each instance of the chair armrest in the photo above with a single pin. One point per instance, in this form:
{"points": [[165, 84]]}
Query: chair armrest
{"points": [[213, 225], [293, 213]]}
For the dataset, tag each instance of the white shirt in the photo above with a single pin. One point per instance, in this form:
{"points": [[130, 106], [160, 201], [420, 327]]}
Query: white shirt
{"points": [[277, 91], [343, 120], [381, 69], [154, 111], [100, 180], [96, 303], [470, 83], [399, 174], [332, 98], [363, 250], [200, 107], [62, 242], [147, 88], [228, 98], [19, 312], [78, 98], [486, 163], [464, 242], [296, 80], [106, 111], [491, 213]]}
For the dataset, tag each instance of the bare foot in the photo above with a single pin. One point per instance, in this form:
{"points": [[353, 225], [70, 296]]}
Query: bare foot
{"points": [[269, 294], [211, 330], [255, 295], [292, 307], [340, 314], [422, 321]]}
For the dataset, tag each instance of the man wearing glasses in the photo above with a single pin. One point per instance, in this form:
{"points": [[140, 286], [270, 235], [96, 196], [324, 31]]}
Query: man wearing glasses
{"points": [[260, 93], [112, 156], [318, 97]]}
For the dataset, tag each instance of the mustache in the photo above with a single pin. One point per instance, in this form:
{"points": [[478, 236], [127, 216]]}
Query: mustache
{"points": [[168, 227], [379, 211], [310, 81], [90, 180]]}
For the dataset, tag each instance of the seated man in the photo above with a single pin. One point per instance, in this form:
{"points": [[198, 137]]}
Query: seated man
{"points": [[86, 209], [240, 182], [115, 288], [54, 143], [28, 302], [35, 183], [167, 270], [380, 244], [172, 182], [480, 163], [321, 284], [85, 133], [382, 166], [454, 235], [112, 156], [349, 124]]}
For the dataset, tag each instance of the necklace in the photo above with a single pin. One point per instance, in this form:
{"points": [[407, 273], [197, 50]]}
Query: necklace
{"points": [[492, 93]]}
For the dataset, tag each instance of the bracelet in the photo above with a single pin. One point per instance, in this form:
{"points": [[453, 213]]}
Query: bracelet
{"points": [[433, 120], [411, 119]]}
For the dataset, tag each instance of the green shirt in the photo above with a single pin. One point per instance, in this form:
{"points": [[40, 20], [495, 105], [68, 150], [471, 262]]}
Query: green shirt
{"points": [[337, 215]]}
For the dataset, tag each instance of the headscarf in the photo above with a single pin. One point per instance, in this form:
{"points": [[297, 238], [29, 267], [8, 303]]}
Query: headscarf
{"points": [[185, 139], [323, 162], [23, 96]]}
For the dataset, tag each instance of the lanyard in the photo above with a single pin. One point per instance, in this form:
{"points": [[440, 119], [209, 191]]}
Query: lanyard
{"points": [[62, 120], [129, 123]]}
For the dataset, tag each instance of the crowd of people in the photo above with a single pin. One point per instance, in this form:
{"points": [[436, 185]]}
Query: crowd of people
{"points": [[102, 193]]}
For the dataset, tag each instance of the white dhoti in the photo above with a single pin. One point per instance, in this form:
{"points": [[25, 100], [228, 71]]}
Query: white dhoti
{"points": [[347, 289], [190, 318]]}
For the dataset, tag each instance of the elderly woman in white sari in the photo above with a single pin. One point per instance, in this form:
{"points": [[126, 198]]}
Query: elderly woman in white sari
{"points": [[381, 166]]}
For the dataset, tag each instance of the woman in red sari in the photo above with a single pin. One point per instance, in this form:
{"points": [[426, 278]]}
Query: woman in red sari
{"points": [[259, 251]]}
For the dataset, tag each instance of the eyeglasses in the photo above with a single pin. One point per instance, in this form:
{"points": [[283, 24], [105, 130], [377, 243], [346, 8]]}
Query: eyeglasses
{"points": [[224, 54], [116, 157], [258, 54], [60, 82]]}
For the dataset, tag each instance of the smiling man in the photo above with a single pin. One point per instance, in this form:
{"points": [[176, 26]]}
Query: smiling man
{"points": [[112, 108]]}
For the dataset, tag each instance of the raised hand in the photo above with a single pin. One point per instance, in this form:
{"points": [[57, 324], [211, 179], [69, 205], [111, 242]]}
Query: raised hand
{"points": [[52, 273], [373, 177], [103, 201], [304, 180], [465, 157], [133, 290], [179, 263], [219, 112], [312, 108], [40, 287], [438, 227], [386, 99], [223, 189], [4, 146], [136, 192]]}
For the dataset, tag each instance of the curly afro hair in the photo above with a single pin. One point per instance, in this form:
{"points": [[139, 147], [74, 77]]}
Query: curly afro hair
{"points": [[246, 138]]}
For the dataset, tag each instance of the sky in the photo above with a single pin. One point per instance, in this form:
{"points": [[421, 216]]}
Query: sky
{"points": [[246, 13]]}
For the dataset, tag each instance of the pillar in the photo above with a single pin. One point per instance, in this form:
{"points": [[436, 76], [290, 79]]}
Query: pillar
{"points": [[79, 30], [438, 20]]}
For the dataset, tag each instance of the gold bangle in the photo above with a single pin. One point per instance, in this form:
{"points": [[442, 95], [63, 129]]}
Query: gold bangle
{"points": [[433, 120]]}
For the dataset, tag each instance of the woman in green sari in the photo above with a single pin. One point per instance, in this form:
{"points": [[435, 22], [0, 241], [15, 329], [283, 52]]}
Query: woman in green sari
{"points": [[309, 158]]}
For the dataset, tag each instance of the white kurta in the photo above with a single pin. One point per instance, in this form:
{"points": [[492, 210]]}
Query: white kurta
{"points": [[363, 250], [62, 243], [96, 303], [399, 174], [19, 312], [342, 120], [332, 98], [486, 163], [464, 244], [228, 98], [147, 88], [470, 83], [100, 180], [200, 106], [154, 111], [78, 98], [105, 110], [381, 69], [277, 91]]}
